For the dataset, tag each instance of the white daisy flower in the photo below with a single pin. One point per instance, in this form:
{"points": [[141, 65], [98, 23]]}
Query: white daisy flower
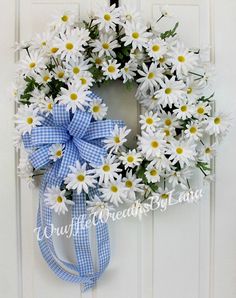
{"points": [[41, 41], [180, 177], [77, 66], [108, 170], [184, 110], [26, 118], [202, 110], [182, 60], [193, 90], [128, 72], [156, 48], [98, 61], [148, 99], [111, 69], [33, 63], [74, 97], [43, 77], [80, 178], [151, 144], [56, 200], [131, 159], [168, 120], [149, 121], [117, 138], [56, 151], [86, 79], [135, 34], [161, 162], [25, 169], [46, 105], [207, 153], [99, 209], [68, 45], [98, 109], [193, 131], [129, 14], [107, 17], [60, 74], [217, 125], [137, 55], [171, 92], [114, 191], [151, 77], [162, 62], [169, 132], [181, 151], [63, 20], [133, 185], [165, 11], [105, 45], [139, 209], [152, 173]]}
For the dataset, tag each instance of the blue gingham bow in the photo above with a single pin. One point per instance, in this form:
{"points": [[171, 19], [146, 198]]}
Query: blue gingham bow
{"points": [[83, 140], [81, 136]]}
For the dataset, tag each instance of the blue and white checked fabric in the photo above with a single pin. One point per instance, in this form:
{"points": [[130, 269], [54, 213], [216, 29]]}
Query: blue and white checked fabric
{"points": [[83, 140]]}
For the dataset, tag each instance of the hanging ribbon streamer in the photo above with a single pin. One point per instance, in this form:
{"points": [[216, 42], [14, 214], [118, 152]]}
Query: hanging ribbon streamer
{"points": [[82, 138]]}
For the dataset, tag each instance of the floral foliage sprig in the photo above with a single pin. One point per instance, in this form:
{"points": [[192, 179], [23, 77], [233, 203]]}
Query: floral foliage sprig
{"points": [[62, 65]]}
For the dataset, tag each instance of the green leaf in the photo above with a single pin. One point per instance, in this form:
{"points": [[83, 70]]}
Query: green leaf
{"points": [[170, 33]]}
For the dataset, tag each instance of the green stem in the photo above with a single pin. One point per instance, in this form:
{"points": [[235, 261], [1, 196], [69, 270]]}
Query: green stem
{"points": [[196, 74]]}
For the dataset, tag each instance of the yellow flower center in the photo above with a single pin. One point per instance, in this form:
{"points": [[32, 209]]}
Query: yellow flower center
{"points": [[73, 96], [59, 153], [130, 158], [29, 120], [189, 90], [105, 46], [149, 121], [96, 109], [114, 188], [32, 65], [50, 105], [98, 61], [64, 18], [76, 70], [54, 50], [200, 110], [193, 129], [60, 74], [217, 120], [126, 69], [164, 196], [111, 68], [168, 122], [69, 46], [44, 43], [179, 150], [167, 132], [128, 183], [155, 48], [107, 17], [135, 35], [184, 108], [46, 78], [168, 91], [117, 140], [208, 150], [80, 178], [83, 81], [59, 199], [181, 59], [154, 144], [106, 168], [151, 75], [162, 59], [153, 172]]}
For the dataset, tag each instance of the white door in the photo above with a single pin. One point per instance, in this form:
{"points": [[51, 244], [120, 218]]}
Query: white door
{"points": [[187, 252]]}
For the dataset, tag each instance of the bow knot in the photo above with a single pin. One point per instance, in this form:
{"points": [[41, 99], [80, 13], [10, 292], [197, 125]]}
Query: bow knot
{"points": [[82, 138]]}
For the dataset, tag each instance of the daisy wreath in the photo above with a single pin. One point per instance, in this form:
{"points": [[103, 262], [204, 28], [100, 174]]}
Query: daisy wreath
{"points": [[81, 154]]}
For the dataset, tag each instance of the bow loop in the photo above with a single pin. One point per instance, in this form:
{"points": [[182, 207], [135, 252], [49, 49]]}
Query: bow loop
{"points": [[48, 135], [61, 116], [79, 124]]}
